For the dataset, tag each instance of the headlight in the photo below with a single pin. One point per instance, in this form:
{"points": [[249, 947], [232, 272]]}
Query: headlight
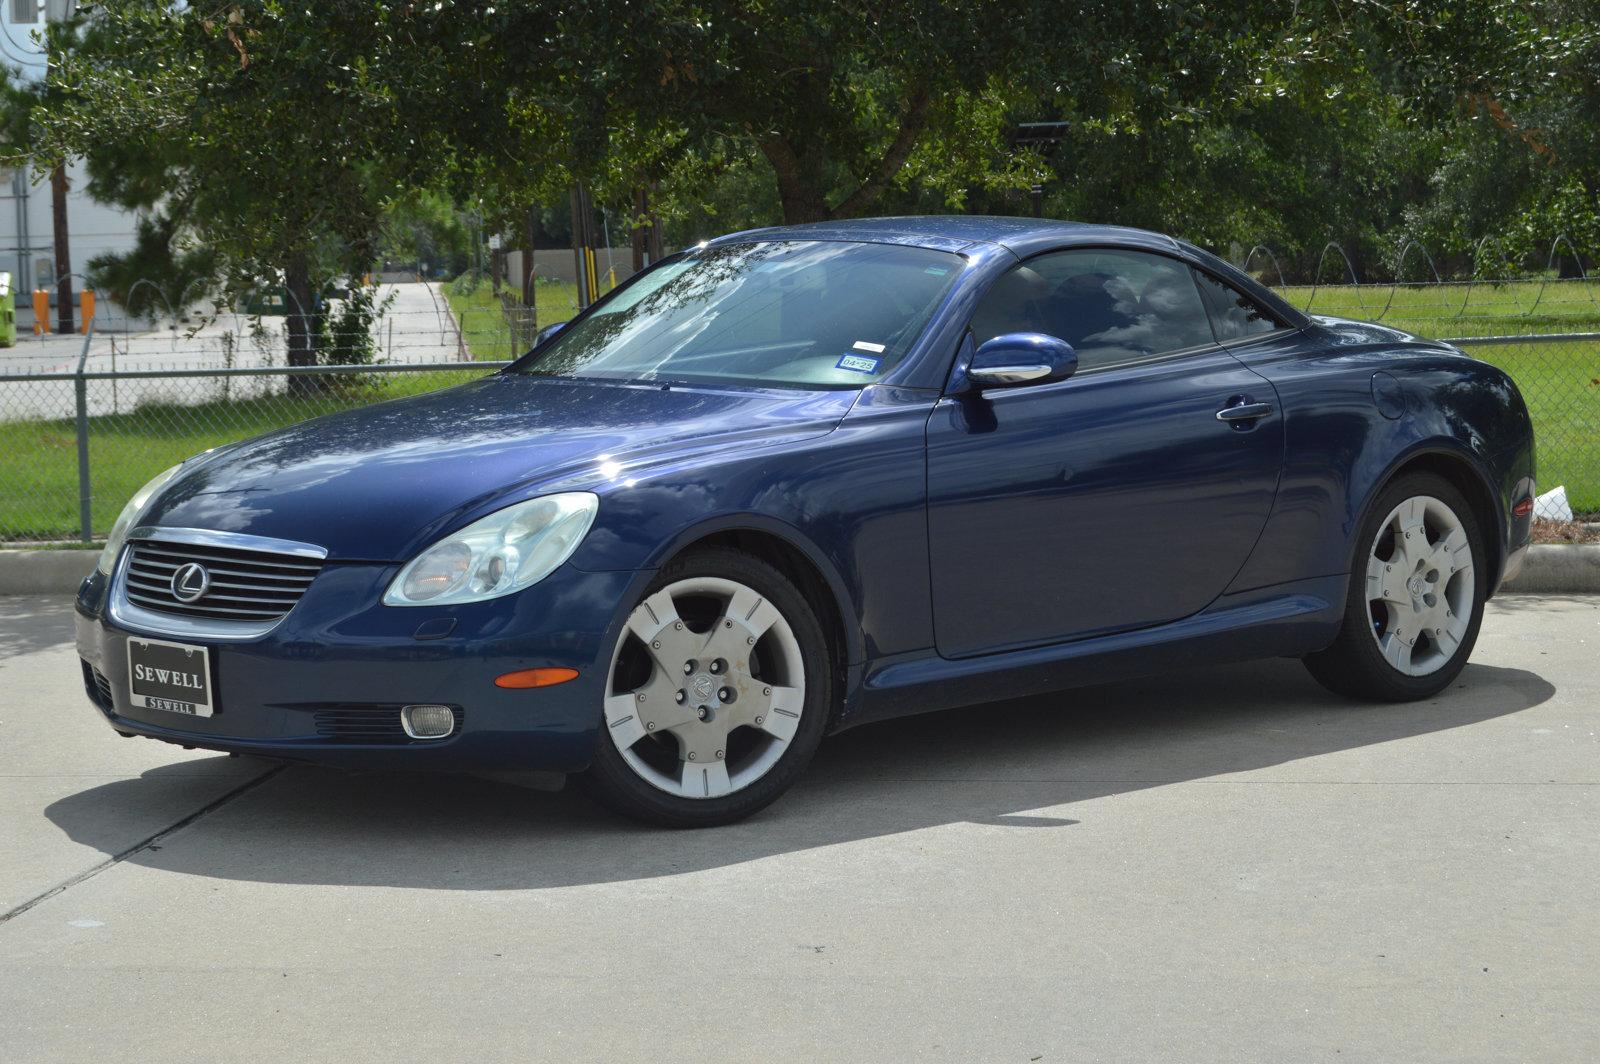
{"points": [[502, 553], [127, 518]]}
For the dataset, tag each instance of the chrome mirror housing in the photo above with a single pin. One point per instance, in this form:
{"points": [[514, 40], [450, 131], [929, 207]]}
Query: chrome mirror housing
{"points": [[1021, 358]]}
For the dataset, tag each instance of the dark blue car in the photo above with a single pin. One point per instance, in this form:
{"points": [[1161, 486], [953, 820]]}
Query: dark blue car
{"points": [[797, 479]]}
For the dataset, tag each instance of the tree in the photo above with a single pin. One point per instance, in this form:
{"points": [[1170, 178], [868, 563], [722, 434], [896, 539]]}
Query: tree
{"points": [[261, 132], [279, 136], [847, 100]]}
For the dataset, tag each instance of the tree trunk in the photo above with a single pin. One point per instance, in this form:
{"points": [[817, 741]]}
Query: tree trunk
{"points": [[802, 176], [636, 237], [58, 211], [300, 322], [799, 182]]}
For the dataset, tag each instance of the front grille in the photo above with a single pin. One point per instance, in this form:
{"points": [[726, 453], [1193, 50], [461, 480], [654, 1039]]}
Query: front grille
{"points": [[246, 585], [369, 724], [96, 686]]}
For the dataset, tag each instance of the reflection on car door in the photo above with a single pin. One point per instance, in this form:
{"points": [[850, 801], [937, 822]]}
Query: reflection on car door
{"points": [[1115, 499]]}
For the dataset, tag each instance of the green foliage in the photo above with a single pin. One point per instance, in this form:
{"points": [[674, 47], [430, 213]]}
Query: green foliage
{"points": [[263, 133], [424, 227], [347, 338], [158, 278], [305, 142]]}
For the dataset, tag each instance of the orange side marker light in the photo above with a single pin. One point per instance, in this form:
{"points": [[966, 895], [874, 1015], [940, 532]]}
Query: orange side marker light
{"points": [[526, 678]]}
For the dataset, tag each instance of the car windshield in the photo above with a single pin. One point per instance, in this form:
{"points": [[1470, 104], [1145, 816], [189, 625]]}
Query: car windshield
{"points": [[792, 313]]}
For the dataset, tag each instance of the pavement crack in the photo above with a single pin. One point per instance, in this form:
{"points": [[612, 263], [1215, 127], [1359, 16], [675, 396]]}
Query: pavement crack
{"points": [[149, 843]]}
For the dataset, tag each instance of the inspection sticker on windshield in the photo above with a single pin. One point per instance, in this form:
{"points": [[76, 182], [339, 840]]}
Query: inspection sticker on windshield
{"points": [[859, 363]]}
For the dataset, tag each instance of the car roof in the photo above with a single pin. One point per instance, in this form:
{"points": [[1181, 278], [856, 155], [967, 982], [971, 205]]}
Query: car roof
{"points": [[957, 232], [1023, 237]]}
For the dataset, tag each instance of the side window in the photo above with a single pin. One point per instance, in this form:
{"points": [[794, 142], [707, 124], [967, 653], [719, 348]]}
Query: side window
{"points": [[1112, 306], [1234, 315]]}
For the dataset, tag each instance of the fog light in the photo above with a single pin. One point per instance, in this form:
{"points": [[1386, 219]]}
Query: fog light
{"points": [[427, 722]]}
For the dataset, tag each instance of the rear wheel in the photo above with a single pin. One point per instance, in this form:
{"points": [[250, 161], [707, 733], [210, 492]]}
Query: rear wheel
{"points": [[719, 693], [1416, 596]]}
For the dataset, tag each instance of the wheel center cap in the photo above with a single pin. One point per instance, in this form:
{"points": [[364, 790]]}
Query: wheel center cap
{"points": [[1416, 585], [702, 687]]}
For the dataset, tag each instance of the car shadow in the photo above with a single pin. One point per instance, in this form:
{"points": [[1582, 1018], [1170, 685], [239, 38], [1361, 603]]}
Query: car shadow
{"points": [[1010, 764]]}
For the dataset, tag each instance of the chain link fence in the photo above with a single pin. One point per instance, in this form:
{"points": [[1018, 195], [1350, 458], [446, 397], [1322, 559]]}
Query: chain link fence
{"points": [[1543, 330], [1559, 377], [84, 421], [66, 478]]}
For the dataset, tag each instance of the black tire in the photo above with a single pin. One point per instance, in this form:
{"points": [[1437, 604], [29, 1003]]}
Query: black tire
{"points": [[1354, 665], [612, 782]]}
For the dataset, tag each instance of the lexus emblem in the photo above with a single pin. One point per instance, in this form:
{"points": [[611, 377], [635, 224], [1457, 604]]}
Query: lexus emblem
{"points": [[190, 582]]}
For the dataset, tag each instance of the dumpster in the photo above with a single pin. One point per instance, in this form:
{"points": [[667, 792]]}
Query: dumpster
{"points": [[8, 312]]}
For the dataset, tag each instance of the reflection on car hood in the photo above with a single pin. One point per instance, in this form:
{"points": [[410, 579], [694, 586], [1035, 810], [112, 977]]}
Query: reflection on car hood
{"points": [[380, 482]]}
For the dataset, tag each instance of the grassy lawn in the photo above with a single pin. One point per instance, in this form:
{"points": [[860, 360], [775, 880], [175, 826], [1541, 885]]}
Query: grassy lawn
{"points": [[1451, 310], [39, 487], [39, 481], [483, 322], [1560, 381]]}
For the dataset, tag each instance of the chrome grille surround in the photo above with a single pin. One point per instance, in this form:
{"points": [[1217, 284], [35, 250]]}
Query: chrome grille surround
{"points": [[254, 582]]}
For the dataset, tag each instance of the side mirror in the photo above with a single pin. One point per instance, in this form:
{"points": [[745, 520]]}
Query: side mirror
{"points": [[547, 333], [1021, 358]]}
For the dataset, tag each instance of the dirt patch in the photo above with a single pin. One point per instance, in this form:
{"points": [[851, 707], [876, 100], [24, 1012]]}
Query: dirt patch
{"points": [[1566, 532]]}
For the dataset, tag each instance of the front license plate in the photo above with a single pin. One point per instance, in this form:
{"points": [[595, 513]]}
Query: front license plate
{"points": [[174, 677]]}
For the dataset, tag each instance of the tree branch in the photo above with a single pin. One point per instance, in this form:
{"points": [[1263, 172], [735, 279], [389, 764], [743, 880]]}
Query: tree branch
{"points": [[911, 127]]}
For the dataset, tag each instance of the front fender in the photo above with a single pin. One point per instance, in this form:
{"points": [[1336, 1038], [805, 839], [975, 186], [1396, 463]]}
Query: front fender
{"points": [[852, 503]]}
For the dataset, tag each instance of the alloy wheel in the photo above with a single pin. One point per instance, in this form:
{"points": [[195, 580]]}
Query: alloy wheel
{"points": [[1420, 585], [707, 688]]}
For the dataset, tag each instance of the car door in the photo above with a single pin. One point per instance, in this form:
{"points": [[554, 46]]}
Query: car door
{"points": [[1114, 499]]}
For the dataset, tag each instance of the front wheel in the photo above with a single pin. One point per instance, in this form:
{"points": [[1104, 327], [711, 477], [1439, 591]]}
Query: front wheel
{"points": [[1416, 596], [719, 693]]}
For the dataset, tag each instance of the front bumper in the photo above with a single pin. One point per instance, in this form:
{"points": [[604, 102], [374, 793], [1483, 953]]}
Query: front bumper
{"points": [[339, 654]]}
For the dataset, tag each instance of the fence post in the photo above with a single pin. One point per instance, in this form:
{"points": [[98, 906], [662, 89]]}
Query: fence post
{"points": [[80, 389]]}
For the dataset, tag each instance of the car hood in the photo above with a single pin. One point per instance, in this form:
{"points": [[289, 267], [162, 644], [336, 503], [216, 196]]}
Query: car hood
{"points": [[380, 482]]}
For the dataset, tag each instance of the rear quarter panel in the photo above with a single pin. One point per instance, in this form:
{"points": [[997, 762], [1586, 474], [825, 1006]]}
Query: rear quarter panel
{"points": [[1346, 437]]}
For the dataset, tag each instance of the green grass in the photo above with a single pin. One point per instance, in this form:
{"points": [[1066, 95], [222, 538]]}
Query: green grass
{"points": [[1561, 385], [1461, 309], [39, 481], [483, 322], [1561, 382]]}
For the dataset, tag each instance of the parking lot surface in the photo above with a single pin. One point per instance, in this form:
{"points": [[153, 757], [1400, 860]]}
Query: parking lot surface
{"points": [[1227, 864]]}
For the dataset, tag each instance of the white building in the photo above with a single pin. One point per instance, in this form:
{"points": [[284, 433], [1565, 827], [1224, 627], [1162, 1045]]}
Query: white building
{"points": [[27, 228]]}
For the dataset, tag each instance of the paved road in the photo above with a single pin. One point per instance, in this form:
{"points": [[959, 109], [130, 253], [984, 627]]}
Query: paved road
{"points": [[1225, 865]]}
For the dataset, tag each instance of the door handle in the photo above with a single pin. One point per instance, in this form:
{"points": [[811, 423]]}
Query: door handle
{"points": [[1242, 412]]}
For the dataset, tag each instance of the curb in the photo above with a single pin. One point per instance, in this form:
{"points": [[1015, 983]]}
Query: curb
{"points": [[1551, 568], [1559, 568], [44, 572]]}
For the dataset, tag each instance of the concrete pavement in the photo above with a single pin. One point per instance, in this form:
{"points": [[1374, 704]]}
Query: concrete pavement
{"points": [[1223, 865]]}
